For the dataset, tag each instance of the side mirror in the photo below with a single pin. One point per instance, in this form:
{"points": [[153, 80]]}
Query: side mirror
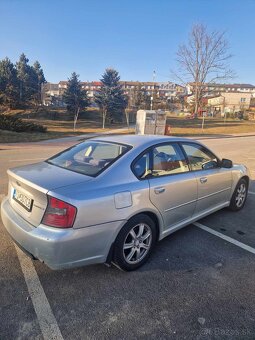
{"points": [[226, 163]]}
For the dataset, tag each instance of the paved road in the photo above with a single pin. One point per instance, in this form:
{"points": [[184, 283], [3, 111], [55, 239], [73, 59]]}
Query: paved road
{"points": [[195, 286]]}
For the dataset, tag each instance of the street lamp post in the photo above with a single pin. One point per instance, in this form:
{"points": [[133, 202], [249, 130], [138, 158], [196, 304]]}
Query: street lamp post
{"points": [[153, 87]]}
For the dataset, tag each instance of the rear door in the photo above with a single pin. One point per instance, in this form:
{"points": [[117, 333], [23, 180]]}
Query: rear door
{"points": [[214, 182], [173, 188]]}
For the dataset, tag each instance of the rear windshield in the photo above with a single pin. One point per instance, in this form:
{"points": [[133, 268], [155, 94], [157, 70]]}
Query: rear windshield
{"points": [[89, 158]]}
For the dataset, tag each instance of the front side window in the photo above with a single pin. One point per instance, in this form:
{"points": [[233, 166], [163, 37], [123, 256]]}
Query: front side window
{"points": [[168, 159], [89, 158], [199, 157]]}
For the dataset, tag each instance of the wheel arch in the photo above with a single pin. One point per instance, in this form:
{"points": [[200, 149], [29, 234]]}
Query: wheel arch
{"points": [[156, 219], [246, 178], [233, 206]]}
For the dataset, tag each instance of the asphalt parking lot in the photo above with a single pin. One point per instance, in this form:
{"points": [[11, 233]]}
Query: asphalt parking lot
{"points": [[196, 285]]}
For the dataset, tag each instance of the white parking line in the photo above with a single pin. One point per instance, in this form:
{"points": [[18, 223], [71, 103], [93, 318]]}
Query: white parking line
{"points": [[46, 319], [251, 192], [226, 238]]}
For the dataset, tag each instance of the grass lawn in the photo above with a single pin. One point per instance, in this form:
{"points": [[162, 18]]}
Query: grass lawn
{"points": [[181, 126], [57, 129], [91, 123]]}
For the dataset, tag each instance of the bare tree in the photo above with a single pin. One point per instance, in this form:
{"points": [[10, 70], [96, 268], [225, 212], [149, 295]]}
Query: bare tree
{"points": [[203, 60]]}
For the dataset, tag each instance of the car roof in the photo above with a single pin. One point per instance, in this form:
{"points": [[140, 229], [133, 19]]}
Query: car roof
{"points": [[140, 140]]}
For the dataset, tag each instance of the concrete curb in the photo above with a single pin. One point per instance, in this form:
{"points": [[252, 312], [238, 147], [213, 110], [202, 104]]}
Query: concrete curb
{"points": [[221, 137], [91, 135]]}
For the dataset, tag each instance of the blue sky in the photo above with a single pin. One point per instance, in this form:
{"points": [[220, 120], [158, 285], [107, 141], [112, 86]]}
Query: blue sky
{"points": [[135, 37]]}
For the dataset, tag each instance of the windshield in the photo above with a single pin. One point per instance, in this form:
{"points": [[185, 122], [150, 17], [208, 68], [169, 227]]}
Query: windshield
{"points": [[89, 158]]}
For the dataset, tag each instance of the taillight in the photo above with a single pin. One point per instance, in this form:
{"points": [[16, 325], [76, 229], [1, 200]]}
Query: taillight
{"points": [[59, 214]]}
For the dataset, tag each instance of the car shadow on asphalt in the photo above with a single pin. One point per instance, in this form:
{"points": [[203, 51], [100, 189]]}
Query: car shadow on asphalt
{"points": [[187, 250]]}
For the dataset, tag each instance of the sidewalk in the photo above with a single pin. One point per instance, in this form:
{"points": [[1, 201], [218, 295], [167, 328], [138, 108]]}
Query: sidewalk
{"points": [[75, 139], [64, 140], [235, 135], [81, 137]]}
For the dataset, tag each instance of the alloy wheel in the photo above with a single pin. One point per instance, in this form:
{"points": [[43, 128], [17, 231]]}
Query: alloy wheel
{"points": [[240, 195], [137, 243]]}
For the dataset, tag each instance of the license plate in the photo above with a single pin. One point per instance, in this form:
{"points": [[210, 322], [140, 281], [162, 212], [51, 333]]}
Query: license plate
{"points": [[23, 200]]}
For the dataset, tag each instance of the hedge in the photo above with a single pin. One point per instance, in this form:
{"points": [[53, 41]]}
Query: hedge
{"points": [[18, 125]]}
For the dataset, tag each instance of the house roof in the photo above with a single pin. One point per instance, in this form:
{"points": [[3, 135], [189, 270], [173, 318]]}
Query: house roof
{"points": [[130, 82], [227, 85]]}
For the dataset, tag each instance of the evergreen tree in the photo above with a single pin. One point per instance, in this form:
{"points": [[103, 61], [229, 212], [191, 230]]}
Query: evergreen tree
{"points": [[110, 98], [26, 77], [8, 84], [75, 97], [37, 78]]}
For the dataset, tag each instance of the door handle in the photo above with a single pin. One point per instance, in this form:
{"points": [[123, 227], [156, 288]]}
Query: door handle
{"points": [[203, 180], [159, 190]]}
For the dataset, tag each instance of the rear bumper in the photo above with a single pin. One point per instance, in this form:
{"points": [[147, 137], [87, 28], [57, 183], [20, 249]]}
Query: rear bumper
{"points": [[61, 248]]}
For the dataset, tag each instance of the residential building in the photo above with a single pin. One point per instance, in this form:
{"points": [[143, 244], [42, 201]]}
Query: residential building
{"points": [[210, 89], [52, 93], [130, 86], [170, 90], [229, 102], [91, 87]]}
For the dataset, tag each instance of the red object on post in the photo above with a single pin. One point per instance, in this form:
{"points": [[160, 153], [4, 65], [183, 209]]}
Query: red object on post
{"points": [[168, 130]]}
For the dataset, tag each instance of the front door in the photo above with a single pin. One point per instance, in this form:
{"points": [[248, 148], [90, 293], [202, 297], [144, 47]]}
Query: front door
{"points": [[173, 187], [214, 183]]}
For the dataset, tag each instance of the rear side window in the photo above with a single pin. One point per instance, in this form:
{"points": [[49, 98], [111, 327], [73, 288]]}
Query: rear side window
{"points": [[199, 157], [141, 167], [89, 158]]}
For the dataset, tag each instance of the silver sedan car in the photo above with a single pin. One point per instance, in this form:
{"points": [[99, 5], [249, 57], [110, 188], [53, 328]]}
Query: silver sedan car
{"points": [[110, 199]]}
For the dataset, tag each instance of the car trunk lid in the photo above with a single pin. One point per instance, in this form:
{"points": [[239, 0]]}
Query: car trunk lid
{"points": [[28, 187]]}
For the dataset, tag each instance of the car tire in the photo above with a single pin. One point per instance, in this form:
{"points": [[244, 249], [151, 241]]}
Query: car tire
{"points": [[135, 242], [239, 196]]}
